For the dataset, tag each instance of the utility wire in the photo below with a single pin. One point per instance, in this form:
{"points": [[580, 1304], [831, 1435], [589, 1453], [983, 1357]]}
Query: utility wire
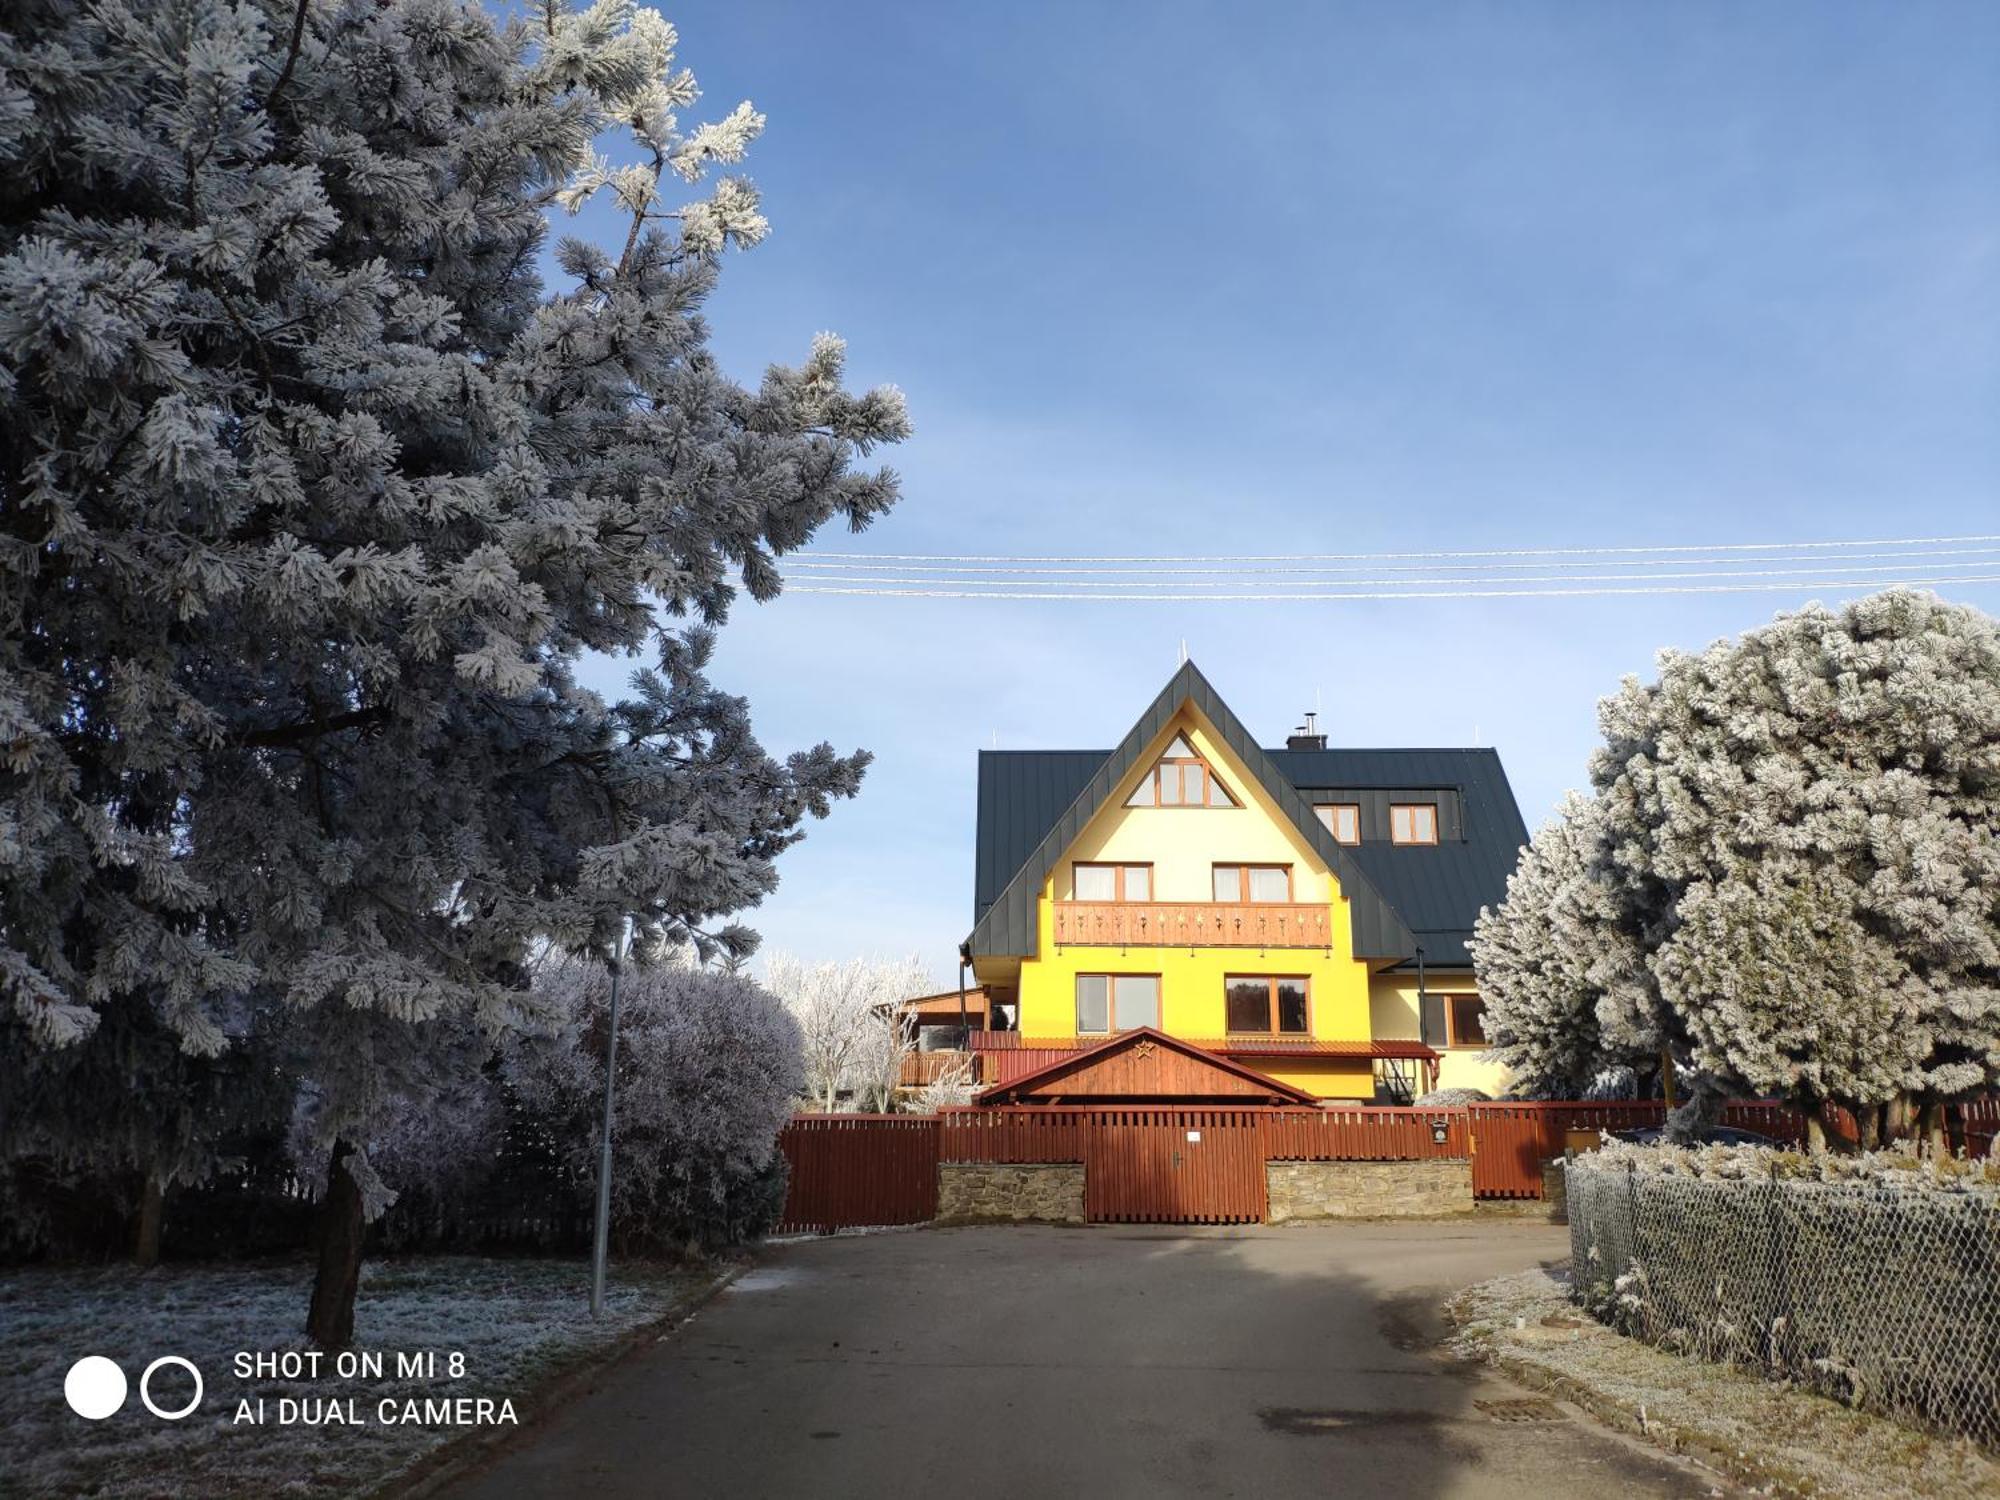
{"points": [[820, 565], [1487, 593], [1083, 587], [1301, 557]]}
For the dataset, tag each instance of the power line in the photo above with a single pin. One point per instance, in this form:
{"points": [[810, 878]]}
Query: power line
{"points": [[1561, 593], [1298, 557], [824, 565], [1081, 585]]}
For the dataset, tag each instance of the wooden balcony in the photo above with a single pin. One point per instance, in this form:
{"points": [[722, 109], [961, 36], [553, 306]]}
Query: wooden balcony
{"points": [[1193, 924], [920, 1068]]}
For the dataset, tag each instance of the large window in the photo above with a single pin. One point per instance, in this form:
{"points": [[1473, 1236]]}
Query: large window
{"points": [[1180, 778], [1342, 819], [1413, 823], [1466, 1016], [1266, 1004], [1237, 883], [1116, 1002], [1114, 882]]}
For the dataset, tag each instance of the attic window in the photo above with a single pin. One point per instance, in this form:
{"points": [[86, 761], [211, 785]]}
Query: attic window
{"points": [[1342, 820], [1413, 823], [1180, 778]]}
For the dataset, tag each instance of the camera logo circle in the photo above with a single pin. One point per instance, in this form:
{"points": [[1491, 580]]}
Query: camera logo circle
{"points": [[94, 1387], [146, 1395]]}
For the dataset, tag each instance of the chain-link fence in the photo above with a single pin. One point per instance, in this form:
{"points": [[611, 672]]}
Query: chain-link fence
{"points": [[1885, 1297]]}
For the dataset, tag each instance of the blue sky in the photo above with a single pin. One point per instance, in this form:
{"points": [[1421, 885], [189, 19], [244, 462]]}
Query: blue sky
{"points": [[1189, 279]]}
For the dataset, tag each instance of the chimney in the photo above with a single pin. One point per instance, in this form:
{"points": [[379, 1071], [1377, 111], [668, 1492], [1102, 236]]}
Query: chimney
{"points": [[1306, 736]]}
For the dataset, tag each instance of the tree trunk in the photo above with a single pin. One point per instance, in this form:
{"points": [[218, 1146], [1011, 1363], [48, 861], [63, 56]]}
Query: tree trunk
{"points": [[1868, 1118], [1815, 1133], [1930, 1129], [1667, 1078], [330, 1319], [1899, 1119], [152, 1216]]}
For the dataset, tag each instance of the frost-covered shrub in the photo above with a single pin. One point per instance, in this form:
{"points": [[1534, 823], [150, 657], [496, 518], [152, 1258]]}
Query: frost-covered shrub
{"points": [[1448, 1098], [953, 1085], [1899, 1170], [708, 1071]]}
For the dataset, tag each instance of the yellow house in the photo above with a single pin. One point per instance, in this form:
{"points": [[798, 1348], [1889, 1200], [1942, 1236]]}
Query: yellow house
{"points": [[1301, 912]]}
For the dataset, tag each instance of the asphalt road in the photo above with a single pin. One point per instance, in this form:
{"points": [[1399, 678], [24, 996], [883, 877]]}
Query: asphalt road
{"points": [[1111, 1361]]}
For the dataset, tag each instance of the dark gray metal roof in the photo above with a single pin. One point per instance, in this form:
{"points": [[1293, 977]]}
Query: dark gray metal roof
{"points": [[1005, 920], [1033, 803]]}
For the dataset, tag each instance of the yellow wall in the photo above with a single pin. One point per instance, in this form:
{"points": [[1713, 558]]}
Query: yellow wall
{"points": [[1326, 1078], [1182, 844], [1393, 1017]]}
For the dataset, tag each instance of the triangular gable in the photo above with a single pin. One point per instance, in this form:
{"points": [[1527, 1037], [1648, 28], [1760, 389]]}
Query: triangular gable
{"points": [[1008, 925], [1145, 1064]]}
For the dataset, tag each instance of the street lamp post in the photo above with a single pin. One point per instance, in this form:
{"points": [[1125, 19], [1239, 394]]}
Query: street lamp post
{"points": [[602, 1239]]}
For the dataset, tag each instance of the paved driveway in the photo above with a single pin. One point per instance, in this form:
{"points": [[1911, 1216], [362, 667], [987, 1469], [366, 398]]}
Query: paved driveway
{"points": [[1104, 1361]]}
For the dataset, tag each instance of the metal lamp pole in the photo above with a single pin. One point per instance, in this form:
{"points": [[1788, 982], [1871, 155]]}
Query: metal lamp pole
{"points": [[602, 1239]]}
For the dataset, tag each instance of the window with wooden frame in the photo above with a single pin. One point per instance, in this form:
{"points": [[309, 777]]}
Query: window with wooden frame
{"points": [[1266, 1005], [1257, 883], [1180, 778], [1413, 823], [1465, 1021], [1100, 882], [1116, 1002], [1342, 819]]}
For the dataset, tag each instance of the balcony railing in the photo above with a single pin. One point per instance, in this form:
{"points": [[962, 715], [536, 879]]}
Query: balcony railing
{"points": [[1193, 924], [920, 1068]]}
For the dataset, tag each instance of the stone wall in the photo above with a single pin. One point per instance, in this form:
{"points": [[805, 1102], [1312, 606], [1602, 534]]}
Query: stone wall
{"points": [[974, 1192], [1367, 1189]]}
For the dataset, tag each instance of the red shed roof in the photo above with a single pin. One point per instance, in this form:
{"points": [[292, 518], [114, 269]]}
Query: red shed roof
{"points": [[1144, 1064]]}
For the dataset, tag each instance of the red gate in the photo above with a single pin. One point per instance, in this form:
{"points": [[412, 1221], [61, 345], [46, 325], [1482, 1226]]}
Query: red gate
{"points": [[1173, 1166]]}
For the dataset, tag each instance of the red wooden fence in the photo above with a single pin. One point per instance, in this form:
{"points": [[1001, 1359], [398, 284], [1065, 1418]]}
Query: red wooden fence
{"points": [[1974, 1126], [1363, 1134], [859, 1169], [1510, 1142], [882, 1169], [1049, 1133]]}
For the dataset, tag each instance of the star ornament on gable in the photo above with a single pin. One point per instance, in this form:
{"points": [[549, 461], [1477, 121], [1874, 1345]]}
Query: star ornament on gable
{"points": [[1143, 1048]]}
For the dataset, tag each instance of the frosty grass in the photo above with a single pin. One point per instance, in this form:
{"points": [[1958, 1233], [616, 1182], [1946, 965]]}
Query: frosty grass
{"points": [[516, 1321], [1787, 1442]]}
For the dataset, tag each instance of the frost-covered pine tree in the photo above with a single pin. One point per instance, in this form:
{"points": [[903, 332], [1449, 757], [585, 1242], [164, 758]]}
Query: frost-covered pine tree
{"points": [[1565, 991], [1799, 831], [312, 495]]}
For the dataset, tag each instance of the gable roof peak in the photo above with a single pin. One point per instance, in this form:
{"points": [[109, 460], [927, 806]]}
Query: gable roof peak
{"points": [[1008, 925]]}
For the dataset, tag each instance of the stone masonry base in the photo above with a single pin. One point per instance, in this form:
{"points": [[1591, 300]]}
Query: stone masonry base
{"points": [[1010, 1193], [1367, 1189]]}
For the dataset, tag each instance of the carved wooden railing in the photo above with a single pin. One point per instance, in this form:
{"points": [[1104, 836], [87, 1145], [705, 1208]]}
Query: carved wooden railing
{"points": [[1193, 924]]}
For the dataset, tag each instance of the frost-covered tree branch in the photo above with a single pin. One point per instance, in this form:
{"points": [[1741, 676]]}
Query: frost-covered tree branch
{"points": [[854, 1039]]}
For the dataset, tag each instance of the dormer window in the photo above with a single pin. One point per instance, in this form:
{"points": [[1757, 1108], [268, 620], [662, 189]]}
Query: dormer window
{"points": [[1413, 823], [1342, 819], [1180, 778]]}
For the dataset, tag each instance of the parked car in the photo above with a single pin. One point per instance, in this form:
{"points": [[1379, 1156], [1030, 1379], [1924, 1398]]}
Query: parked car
{"points": [[1708, 1135]]}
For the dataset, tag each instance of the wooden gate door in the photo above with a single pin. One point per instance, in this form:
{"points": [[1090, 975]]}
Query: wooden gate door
{"points": [[1173, 1166]]}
